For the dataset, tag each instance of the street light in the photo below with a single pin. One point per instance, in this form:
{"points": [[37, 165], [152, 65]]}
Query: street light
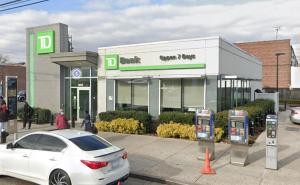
{"points": [[277, 55]]}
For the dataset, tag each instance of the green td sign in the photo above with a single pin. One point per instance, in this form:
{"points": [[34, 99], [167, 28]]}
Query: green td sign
{"points": [[111, 62], [45, 42]]}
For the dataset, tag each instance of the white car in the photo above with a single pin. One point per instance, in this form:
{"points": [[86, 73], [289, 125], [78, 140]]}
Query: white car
{"points": [[64, 157]]}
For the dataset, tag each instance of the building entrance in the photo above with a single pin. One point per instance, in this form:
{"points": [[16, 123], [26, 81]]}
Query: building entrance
{"points": [[83, 102]]}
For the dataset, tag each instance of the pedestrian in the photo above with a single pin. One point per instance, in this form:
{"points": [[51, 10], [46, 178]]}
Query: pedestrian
{"points": [[61, 121], [28, 112], [3, 115], [87, 122]]}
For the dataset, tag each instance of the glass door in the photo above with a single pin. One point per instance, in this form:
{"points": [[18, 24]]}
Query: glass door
{"points": [[83, 102]]}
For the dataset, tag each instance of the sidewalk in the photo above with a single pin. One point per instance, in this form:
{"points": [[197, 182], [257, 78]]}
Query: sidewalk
{"points": [[174, 160]]}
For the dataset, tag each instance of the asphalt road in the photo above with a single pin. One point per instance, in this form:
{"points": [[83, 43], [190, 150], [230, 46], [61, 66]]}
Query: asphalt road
{"points": [[12, 181]]}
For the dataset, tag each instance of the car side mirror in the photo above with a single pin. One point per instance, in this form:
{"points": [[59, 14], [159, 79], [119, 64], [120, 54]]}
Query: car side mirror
{"points": [[9, 146]]}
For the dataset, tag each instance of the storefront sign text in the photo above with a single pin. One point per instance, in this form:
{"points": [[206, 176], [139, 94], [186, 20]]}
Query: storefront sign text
{"points": [[134, 60], [178, 57]]}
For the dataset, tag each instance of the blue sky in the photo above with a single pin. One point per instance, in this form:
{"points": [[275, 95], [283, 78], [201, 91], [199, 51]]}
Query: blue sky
{"points": [[100, 23]]}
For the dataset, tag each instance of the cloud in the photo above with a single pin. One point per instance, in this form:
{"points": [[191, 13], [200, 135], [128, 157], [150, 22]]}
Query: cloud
{"points": [[128, 22]]}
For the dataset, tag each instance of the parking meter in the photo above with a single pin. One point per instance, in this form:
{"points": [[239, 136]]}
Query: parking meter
{"points": [[238, 135], [204, 127], [272, 142]]}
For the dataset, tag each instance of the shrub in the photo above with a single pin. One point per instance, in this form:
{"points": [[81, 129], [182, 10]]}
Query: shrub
{"points": [[141, 116], [176, 130], [184, 131], [43, 115], [126, 126], [257, 108], [221, 119], [178, 117], [219, 134]]}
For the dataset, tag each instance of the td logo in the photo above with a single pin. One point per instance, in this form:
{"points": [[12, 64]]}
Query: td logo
{"points": [[45, 42], [111, 62]]}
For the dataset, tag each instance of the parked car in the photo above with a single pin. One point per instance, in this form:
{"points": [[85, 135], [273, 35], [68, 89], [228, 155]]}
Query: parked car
{"points": [[295, 115], [21, 96], [64, 157]]}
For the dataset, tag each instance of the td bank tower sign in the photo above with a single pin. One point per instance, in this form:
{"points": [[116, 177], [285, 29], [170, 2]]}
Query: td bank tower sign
{"points": [[45, 42]]}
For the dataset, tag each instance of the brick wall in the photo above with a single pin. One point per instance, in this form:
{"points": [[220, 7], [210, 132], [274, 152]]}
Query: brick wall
{"points": [[265, 51], [14, 70]]}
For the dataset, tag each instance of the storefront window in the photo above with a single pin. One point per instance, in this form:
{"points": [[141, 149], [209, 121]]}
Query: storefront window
{"points": [[131, 95], [182, 94], [233, 93], [171, 95], [193, 93], [123, 95]]}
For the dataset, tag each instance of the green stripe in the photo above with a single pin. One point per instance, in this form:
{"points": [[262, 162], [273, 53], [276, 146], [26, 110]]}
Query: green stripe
{"points": [[31, 70], [162, 67]]}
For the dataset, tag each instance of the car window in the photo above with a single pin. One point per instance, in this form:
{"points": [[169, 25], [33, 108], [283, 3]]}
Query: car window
{"points": [[90, 143], [28, 142], [50, 143]]}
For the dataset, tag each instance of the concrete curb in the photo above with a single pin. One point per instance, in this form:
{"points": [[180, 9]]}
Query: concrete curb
{"points": [[156, 179]]}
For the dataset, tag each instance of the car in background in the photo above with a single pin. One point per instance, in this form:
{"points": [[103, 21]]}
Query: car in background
{"points": [[295, 115], [64, 157], [21, 96]]}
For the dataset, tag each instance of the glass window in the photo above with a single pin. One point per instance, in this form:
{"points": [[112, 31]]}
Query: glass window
{"points": [[171, 94], [193, 93], [132, 94], [50, 143], [28, 142], [123, 94], [140, 96], [90, 143], [94, 71], [81, 82]]}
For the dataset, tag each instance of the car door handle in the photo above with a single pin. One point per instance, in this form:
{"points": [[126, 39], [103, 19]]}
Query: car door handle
{"points": [[52, 159], [25, 155]]}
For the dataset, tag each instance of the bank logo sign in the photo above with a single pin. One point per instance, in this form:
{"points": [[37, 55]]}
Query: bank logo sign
{"points": [[45, 42], [111, 62]]}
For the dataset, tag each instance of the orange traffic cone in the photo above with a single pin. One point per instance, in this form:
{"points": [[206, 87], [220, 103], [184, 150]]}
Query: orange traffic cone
{"points": [[207, 169]]}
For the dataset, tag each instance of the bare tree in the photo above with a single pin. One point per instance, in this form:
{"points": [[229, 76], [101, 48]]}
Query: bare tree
{"points": [[3, 59]]}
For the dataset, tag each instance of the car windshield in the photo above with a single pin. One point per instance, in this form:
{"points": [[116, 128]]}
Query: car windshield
{"points": [[90, 143]]}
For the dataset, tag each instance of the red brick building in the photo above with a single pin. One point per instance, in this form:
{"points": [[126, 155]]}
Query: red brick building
{"points": [[266, 52], [13, 70]]}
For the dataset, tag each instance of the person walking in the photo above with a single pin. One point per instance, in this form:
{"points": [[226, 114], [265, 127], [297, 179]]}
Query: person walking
{"points": [[28, 112], [3, 115], [61, 121], [87, 122]]}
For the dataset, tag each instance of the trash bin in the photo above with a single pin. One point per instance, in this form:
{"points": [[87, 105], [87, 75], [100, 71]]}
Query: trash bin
{"points": [[4, 135]]}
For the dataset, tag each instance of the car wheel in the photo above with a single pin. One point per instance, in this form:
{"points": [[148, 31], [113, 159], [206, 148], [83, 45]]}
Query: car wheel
{"points": [[59, 177]]}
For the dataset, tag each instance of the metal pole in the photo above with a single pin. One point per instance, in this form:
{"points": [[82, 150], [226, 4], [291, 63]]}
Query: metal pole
{"points": [[277, 75]]}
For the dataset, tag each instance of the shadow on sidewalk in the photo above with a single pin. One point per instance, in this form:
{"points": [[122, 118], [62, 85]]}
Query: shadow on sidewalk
{"points": [[289, 159], [257, 155]]}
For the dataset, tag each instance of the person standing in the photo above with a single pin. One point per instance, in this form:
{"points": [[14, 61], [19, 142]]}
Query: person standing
{"points": [[3, 115], [28, 112], [61, 121], [87, 122]]}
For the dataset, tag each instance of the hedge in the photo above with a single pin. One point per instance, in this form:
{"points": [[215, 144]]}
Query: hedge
{"points": [[43, 115], [184, 131], [178, 117], [126, 126], [141, 116], [255, 109]]}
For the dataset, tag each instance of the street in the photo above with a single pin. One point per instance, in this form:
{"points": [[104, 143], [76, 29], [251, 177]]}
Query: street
{"points": [[13, 181]]}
